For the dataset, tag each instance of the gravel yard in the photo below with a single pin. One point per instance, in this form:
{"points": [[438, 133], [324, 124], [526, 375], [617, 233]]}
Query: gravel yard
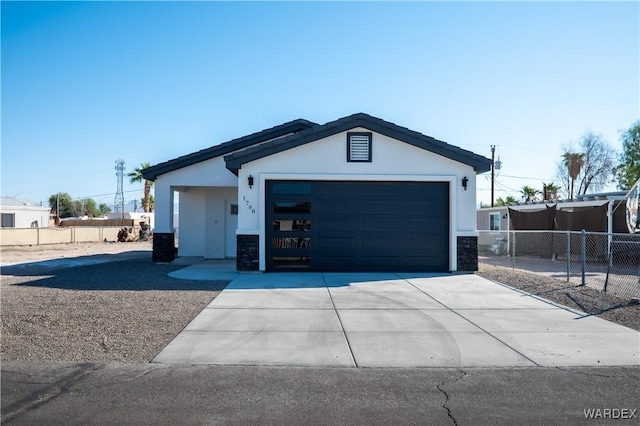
{"points": [[10, 255], [584, 299], [116, 305], [125, 310]]}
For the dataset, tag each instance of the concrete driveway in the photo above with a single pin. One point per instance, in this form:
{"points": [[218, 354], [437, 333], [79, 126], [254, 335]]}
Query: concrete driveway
{"points": [[389, 320]]}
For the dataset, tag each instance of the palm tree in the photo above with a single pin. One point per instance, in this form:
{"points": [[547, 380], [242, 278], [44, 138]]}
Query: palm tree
{"points": [[135, 177], [152, 203], [529, 193], [574, 162], [511, 200], [550, 191]]}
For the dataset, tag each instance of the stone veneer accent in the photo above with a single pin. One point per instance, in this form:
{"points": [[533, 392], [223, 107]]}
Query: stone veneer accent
{"points": [[467, 254], [164, 247], [248, 253]]}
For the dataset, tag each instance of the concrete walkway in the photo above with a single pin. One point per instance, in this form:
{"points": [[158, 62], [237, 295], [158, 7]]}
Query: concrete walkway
{"points": [[389, 320]]}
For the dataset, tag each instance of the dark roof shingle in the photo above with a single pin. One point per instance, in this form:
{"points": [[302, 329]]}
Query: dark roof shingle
{"points": [[294, 126], [479, 163]]}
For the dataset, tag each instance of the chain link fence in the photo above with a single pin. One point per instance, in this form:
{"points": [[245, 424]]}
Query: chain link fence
{"points": [[606, 262]]}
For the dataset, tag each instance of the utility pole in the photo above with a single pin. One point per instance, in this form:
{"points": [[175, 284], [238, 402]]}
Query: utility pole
{"points": [[493, 154]]}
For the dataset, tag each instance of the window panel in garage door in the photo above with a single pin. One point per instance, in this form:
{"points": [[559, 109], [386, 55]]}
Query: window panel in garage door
{"points": [[291, 225]]}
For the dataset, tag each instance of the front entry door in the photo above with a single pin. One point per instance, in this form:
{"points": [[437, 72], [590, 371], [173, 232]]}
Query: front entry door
{"points": [[231, 224]]}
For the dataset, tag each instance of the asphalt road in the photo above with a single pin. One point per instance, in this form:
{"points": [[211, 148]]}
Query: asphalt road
{"points": [[145, 394]]}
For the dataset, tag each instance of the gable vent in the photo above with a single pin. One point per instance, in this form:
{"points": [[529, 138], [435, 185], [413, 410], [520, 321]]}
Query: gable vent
{"points": [[359, 147]]}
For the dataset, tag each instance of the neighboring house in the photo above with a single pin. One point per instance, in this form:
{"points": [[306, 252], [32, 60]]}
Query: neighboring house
{"points": [[355, 194], [604, 212], [21, 213]]}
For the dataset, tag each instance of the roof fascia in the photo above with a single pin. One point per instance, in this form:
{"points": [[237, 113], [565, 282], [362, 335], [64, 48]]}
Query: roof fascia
{"points": [[153, 172], [480, 164]]}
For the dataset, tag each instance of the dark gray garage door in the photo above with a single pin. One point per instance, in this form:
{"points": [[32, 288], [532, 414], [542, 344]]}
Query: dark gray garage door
{"points": [[357, 226]]}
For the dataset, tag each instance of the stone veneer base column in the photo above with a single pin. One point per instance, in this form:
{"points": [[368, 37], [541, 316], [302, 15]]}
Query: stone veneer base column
{"points": [[248, 253], [467, 254], [164, 247]]}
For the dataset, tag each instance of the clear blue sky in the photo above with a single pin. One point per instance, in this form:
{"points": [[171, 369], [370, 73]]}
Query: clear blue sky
{"points": [[84, 84]]}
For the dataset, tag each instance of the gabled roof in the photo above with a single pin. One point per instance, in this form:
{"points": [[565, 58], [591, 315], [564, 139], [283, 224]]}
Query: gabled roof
{"points": [[479, 163], [153, 172], [21, 203]]}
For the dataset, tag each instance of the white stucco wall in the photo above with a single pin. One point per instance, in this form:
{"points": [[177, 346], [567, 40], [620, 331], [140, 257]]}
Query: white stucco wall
{"points": [[206, 173], [209, 173], [326, 160], [192, 222], [163, 200]]}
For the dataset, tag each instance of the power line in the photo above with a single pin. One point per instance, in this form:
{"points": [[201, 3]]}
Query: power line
{"points": [[531, 178], [107, 194], [506, 188]]}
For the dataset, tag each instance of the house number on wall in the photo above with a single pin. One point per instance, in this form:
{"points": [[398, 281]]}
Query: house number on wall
{"points": [[253, 211]]}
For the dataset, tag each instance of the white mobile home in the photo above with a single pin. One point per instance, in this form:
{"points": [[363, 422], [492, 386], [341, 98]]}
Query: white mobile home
{"points": [[21, 213]]}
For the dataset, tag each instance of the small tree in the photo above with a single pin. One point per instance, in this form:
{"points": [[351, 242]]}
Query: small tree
{"points": [[509, 201], [61, 205], [549, 191], [86, 207], [72, 208], [135, 177], [590, 167], [104, 209], [599, 159], [529, 194], [628, 171]]}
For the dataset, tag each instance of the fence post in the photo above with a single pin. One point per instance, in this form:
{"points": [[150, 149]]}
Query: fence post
{"points": [[568, 255], [513, 251], [606, 280], [583, 250]]}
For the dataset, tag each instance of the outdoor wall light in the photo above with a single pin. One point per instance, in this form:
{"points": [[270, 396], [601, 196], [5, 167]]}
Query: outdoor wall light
{"points": [[465, 181], [250, 179]]}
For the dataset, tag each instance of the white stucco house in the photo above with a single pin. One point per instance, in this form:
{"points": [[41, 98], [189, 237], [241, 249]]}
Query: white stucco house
{"points": [[355, 194]]}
